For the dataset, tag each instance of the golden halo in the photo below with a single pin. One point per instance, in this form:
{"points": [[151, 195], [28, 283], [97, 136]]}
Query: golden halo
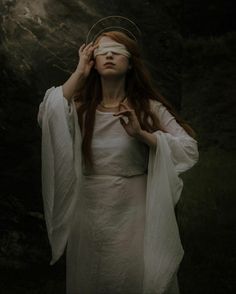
{"points": [[114, 23]]}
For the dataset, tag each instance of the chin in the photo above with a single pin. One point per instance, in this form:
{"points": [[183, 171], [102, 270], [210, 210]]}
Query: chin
{"points": [[112, 73]]}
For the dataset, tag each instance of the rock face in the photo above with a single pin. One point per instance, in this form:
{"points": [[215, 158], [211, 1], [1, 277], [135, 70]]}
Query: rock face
{"points": [[40, 39]]}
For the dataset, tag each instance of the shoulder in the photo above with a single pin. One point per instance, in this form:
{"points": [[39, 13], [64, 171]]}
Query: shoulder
{"points": [[161, 112], [156, 106]]}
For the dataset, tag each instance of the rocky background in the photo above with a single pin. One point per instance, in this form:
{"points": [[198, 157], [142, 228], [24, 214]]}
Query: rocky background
{"points": [[189, 46]]}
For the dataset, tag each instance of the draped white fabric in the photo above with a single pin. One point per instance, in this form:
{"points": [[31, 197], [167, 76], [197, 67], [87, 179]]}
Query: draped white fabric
{"points": [[62, 172], [61, 161], [176, 152]]}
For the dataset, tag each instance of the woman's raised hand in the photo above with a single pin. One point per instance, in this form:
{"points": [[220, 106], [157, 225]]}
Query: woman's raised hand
{"points": [[86, 60], [78, 77]]}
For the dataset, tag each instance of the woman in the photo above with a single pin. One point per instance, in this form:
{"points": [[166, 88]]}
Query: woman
{"points": [[112, 149]]}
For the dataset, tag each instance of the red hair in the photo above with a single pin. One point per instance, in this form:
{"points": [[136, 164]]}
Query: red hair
{"points": [[139, 90]]}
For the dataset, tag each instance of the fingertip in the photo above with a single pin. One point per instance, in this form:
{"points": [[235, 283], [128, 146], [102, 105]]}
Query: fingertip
{"points": [[82, 47]]}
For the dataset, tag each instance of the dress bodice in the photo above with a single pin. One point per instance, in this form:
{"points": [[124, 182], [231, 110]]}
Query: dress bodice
{"points": [[114, 151]]}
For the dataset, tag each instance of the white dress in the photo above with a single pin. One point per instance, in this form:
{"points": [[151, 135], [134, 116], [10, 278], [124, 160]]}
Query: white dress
{"points": [[116, 220], [105, 247]]}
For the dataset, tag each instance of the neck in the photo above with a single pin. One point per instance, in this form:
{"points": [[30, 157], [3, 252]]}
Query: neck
{"points": [[113, 90]]}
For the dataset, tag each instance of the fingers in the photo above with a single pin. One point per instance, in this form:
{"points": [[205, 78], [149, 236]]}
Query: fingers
{"points": [[127, 112], [87, 50], [124, 105], [82, 48], [122, 121]]}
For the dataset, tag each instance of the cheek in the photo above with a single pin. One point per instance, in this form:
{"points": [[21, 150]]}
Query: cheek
{"points": [[124, 61], [98, 61]]}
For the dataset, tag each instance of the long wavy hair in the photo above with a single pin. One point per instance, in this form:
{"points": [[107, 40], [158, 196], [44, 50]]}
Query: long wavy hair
{"points": [[139, 90]]}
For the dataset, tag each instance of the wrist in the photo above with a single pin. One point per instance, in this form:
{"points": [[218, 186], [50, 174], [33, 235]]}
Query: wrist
{"points": [[140, 134], [78, 73], [147, 138]]}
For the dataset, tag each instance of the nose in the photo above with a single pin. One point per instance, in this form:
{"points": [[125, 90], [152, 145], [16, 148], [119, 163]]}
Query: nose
{"points": [[109, 54]]}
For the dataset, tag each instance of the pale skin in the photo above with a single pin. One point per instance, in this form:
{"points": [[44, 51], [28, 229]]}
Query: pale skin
{"points": [[112, 68]]}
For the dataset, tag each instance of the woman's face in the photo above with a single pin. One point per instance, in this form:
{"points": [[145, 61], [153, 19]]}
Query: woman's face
{"points": [[111, 63]]}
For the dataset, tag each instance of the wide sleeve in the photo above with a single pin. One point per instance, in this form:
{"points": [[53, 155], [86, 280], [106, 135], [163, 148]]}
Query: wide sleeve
{"points": [[183, 148], [61, 166], [175, 152]]}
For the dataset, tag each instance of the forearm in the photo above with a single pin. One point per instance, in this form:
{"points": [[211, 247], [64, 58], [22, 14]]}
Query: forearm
{"points": [[73, 84], [148, 138]]}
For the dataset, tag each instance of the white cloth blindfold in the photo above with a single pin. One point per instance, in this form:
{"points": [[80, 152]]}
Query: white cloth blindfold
{"points": [[111, 47]]}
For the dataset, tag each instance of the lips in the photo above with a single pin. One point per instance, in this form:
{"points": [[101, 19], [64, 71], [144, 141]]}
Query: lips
{"points": [[109, 63]]}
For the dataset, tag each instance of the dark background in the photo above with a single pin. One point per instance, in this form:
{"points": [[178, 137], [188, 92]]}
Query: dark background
{"points": [[189, 46]]}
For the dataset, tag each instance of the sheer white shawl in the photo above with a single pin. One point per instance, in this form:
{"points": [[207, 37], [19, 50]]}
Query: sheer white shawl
{"points": [[61, 175]]}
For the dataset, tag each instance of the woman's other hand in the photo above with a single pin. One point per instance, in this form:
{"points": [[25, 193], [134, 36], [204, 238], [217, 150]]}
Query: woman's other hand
{"points": [[133, 128]]}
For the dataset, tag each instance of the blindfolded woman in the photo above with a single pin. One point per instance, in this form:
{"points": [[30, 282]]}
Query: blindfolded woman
{"points": [[112, 152]]}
